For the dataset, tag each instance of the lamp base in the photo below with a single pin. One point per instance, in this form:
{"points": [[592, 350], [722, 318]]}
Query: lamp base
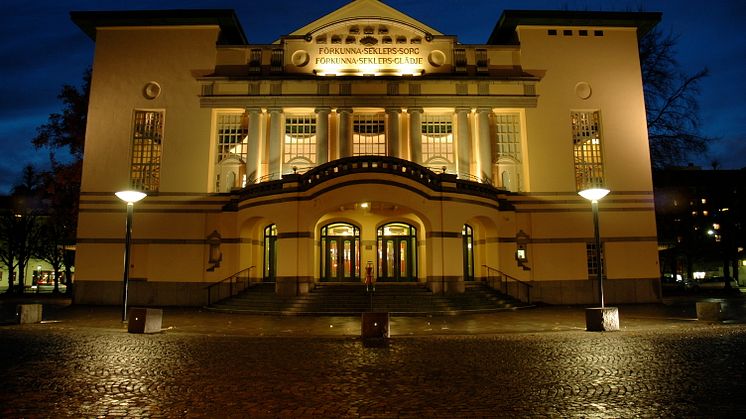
{"points": [[598, 319]]}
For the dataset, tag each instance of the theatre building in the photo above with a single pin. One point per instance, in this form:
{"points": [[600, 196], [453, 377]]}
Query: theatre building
{"points": [[366, 138]]}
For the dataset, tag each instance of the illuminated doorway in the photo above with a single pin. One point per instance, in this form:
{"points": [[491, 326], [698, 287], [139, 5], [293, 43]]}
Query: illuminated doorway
{"points": [[467, 235], [340, 252], [397, 252], [270, 253]]}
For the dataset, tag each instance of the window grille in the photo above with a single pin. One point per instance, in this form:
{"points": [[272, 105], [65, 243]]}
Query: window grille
{"points": [[459, 59], [255, 60], [369, 134], [300, 141], [590, 250], [437, 142], [278, 58], [232, 131], [586, 137], [147, 143], [508, 135], [482, 59]]}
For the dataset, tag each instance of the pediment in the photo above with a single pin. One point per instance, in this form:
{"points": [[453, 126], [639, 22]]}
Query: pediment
{"points": [[365, 14]]}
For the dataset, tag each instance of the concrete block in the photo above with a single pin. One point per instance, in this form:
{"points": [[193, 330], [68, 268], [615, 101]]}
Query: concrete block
{"points": [[144, 320], [599, 319], [29, 313], [375, 325], [710, 311]]}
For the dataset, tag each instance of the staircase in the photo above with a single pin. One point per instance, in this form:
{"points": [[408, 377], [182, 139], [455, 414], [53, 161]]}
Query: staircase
{"points": [[352, 299]]}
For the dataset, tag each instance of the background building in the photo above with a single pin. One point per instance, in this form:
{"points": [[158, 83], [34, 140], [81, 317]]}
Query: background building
{"points": [[366, 136], [701, 219]]}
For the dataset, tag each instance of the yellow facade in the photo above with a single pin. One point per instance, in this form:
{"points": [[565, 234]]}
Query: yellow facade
{"points": [[374, 122]]}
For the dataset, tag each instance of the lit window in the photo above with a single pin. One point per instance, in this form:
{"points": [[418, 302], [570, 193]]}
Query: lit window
{"points": [[232, 129], [300, 141], [704, 201], [508, 133], [716, 226], [705, 213], [437, 142], [369, 134], [593, 266], [586, 136], [147, 143]]}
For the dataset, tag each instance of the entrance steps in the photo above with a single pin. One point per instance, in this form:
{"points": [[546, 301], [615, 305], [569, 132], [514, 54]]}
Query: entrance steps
{"points": [[352, 299]]}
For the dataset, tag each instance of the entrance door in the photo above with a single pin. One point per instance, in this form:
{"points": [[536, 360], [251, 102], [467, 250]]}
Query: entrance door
{"points": [[270, 253], [397, 251], [340, 253]]}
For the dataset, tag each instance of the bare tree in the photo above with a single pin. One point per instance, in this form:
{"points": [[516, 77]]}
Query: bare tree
{"points": [[671, 100]]}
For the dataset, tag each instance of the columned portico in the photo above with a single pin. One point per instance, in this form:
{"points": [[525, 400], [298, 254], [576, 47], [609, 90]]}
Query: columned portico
{"points": [[344, 136], [322, 135], [463, 140], [275, 142], [393, 147], [415, 134], [252, 163], [485, 145]]}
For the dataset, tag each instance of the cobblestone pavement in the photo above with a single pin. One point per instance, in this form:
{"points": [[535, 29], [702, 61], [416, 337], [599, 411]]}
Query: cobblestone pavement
{"points": [[63, 370]]}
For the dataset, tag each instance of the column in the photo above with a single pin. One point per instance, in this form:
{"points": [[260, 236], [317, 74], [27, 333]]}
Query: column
{"points": [[275, 141], [485, 145], [252, 154], [415, 134], [464, 141], [345, 132], [392, 140], [322, 135]]}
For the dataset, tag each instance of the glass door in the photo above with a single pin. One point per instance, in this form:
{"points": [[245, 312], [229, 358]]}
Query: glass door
{"points": [[340, 253], [397, 251]]}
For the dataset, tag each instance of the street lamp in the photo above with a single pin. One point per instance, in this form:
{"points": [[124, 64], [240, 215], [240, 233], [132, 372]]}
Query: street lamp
{"points": [[603, 318], [594, 195], [130, 197]]}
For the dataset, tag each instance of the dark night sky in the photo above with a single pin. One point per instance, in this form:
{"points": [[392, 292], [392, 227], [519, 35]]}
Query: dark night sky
{"points": [[42, 50]]}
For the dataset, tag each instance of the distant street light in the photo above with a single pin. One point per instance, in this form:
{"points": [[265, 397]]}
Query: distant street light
{"points": [[594, 195], [130, 197]]}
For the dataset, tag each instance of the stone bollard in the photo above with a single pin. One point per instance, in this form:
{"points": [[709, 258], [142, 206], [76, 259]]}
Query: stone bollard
{"points": [[29, 313], [709, 311], [375, 325], [604, 319], [144, 320]]}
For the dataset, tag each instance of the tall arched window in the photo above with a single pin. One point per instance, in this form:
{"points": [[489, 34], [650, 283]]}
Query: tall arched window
{"points": [[340, 252], [397, 252], [270, 253], [467, 235]]}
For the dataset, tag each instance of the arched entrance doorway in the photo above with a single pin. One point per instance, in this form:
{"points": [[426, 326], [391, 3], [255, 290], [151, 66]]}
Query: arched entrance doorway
{"points": [[340, 252], [467, 234], [397, 252]]}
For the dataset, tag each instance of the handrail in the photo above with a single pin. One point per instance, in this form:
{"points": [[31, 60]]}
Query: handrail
{"points": [[303, 180], [235, 283], [505, 288]]}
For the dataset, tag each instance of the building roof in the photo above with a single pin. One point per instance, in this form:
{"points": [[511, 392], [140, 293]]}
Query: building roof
{"points": [[504, 31], [231, 32]]}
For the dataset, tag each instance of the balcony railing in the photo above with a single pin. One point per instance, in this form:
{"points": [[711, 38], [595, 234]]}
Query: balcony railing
{"points": [[438, 182]]}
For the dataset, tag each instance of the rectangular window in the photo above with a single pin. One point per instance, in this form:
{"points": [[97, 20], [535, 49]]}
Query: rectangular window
{"points": [[369, 134], [508, 135], [147, 143], [459, 59], [300, 141], [232, 132], [437, 142], [590, 250], [586, 138]]}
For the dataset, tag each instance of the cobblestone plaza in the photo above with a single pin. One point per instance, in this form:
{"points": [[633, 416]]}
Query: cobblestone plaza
{"points": [[227, 366]]}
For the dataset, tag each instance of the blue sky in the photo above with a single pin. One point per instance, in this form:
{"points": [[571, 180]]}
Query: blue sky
{"points": [[43, 50]]}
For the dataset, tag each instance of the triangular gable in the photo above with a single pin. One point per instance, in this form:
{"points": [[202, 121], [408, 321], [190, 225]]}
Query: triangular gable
{"points": [[363, 9]]}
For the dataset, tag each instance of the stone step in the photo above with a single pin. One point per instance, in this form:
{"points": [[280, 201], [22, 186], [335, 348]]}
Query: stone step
{"points": [[351, 298]]}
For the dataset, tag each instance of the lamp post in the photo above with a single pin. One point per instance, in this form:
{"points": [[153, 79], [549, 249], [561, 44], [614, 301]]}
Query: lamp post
{"points": [[130, 197], [602, 319]]}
